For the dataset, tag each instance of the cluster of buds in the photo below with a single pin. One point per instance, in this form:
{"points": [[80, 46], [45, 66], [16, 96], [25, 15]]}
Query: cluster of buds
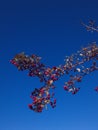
{"points": [[77, 66], [41, 97], [91, 26]]}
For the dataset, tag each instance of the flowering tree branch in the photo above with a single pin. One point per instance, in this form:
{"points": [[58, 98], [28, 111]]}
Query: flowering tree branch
{"points": [[76, 66]]}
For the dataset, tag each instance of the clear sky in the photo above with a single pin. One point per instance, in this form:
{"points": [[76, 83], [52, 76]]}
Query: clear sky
{"points": [[52, 30]]}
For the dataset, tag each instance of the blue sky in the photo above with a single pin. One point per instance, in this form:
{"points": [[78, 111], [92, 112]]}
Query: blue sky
{"points": [[52, 30]]}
